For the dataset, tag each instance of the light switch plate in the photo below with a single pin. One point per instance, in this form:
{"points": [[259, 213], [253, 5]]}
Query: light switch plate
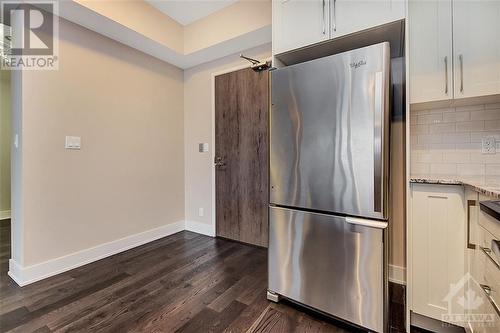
{"points": [[73, 142], [201, 211], [203, 147], [488, 145]]}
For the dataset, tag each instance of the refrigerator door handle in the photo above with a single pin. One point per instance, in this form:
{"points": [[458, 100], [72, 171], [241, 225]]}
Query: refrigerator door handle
{"points": [[366, 222], [378, 144]]}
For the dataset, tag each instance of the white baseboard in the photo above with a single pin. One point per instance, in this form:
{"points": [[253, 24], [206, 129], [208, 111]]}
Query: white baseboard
{"points": [[200, 228], [4, 214], [397, 274], [26, 275]]}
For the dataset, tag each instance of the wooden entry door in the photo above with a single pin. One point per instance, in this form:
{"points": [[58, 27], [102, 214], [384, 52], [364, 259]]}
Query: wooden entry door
{"points": [[241, 155]]}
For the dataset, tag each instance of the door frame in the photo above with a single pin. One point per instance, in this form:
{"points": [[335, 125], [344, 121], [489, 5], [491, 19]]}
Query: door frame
{"points": [[212, 154]]}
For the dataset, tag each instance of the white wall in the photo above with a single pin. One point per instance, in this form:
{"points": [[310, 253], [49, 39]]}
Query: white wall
{"points": [[238, 19], [5, 124], [198, 103], [128, 177]]}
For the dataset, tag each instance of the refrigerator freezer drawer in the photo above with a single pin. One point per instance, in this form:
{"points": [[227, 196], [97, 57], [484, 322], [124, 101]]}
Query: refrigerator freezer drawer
{"points": [[328, 264]]}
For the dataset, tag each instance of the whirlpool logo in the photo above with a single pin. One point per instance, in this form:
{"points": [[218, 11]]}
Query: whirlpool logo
{"points": [[358, 64]]}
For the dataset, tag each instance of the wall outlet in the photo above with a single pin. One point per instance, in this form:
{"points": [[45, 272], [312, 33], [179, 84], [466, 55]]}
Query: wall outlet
{"points": [[73, 142], [488, 145], [201, 212]]}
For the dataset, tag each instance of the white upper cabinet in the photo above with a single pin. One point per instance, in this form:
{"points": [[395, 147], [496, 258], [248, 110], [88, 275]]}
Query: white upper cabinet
{"points": [[430, 36], [454, 49], [476, 47], [297, 23], [348, 16]]}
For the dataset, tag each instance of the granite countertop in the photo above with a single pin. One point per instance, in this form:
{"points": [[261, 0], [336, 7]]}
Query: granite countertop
{"points": [[483, 189]]}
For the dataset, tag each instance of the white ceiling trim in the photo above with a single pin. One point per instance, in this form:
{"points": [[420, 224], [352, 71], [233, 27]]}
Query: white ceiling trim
{"points": [[188, 11], [89, 19]]}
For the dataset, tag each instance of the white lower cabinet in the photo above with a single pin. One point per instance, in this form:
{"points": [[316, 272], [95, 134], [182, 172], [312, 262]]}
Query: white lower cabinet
{"points": [[483, 313], [438, 250], [485, 287], [455, 277], [475, 260]]}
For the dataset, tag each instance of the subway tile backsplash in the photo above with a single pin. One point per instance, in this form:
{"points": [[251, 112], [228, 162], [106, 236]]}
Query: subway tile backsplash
{"points": [[446, 143]]}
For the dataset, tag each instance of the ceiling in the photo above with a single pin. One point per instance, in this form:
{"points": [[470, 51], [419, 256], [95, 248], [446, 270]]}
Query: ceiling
{"points": [[255, 31], [188, 11]]}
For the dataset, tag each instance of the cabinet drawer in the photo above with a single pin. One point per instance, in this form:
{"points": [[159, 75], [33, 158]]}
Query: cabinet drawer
{"points": [[483, 256], [492, 280], [489, 222], [487, 275], [485, 238], [489, 311]]}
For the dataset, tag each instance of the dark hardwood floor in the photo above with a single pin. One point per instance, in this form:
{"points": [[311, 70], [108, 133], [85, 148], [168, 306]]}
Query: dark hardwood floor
{"points": [[185, 283]]}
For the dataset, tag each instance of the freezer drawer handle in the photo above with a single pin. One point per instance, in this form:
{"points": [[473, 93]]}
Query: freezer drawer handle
{"points": [[366, 222]]}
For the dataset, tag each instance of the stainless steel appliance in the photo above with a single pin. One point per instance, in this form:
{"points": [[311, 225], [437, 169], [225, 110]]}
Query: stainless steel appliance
{"points": [[329, 138]]}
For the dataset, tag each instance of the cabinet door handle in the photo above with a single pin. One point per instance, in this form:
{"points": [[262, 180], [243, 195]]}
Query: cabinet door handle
{"points": [[334, 15], [461, 59], [470, 203], [490, 256], [446, 75], [324, 21], [487, 291]]}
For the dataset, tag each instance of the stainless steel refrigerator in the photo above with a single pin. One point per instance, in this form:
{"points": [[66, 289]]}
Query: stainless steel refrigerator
{"points": [[329, 137]]}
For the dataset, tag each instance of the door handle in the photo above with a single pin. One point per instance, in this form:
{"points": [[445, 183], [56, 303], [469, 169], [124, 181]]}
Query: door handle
{"points": [[470, 203], [461, 59], [446, 75], [379, 173]]}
